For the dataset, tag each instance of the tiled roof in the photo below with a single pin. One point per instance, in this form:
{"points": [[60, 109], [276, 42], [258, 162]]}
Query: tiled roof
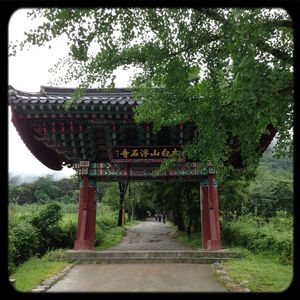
{"points": [[53, 95], [101, 119]]}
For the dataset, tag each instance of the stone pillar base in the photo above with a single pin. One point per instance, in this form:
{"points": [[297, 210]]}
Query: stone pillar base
{"points": [[84, 245], [213, 245]]}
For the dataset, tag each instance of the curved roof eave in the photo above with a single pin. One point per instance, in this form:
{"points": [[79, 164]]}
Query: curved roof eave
{"points": [[46, 156]]}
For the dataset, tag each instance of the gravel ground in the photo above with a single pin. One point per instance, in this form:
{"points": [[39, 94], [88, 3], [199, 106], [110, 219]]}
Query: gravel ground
{"points": [[150, 235]]}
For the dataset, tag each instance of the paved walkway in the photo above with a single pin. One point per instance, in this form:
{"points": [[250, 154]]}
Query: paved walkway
{"points": [[149, 235], [139, 278]]}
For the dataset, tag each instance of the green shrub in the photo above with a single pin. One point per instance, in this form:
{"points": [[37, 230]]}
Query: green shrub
{"points": [[54, 255], [69, 231], [69, 208], [106, 221], [46, 222], [23, 242], [270, 192], [36, 229], [257, 236], [100, 236], [11, 255], [48, 217], [68, 225]]}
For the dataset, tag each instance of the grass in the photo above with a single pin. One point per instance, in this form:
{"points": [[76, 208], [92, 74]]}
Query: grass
{"points": [[259, 272], [69, 217], [34, 271], [114, 236], [194, 240]]}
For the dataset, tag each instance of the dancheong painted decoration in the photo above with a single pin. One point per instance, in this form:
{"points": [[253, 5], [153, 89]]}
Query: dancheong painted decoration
{"points": [[100, 139]]}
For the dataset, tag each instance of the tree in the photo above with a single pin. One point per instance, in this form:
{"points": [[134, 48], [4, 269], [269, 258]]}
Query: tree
{"points": [[227, 71], [23, 193], [111, 196], [68, 189], [270, 193], [180, 202], [233, 196], [139, 200], [46, 189]]}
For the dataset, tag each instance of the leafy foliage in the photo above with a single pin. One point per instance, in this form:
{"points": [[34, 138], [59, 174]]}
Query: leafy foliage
{"points": [[233, 198], [36, 229], [21, 194], [259, 236], [111, 195], [269, 193], [45, 189], [263, 195], [228, 71], [22, 242], [68, 228], [282, 165], [46, 224]]}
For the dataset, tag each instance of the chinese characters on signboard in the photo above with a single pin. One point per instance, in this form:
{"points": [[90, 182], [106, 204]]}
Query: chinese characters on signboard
{"points": [[144, 152]]}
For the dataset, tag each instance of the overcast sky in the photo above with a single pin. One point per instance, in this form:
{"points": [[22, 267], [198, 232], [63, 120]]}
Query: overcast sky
{"points": [[27, 72]]}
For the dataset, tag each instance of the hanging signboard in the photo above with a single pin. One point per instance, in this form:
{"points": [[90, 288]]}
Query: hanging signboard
{"points": [[144, 153]]}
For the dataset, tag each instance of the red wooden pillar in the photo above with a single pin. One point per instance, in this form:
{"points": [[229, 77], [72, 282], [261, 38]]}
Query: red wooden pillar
{"points": [[205, 225], [210, 226], [86, 226]]}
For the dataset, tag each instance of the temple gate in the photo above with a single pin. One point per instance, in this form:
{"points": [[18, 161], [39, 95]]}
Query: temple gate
{"points": [[99, 138]]}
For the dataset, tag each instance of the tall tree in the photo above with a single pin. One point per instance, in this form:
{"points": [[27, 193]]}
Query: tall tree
{"points": [[227, 71]]}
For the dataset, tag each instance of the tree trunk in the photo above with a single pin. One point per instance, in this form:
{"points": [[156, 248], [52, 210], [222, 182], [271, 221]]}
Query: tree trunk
{"points": [[178, 213], [132, 213], [120, 215], [189, 202], [122, 188]]}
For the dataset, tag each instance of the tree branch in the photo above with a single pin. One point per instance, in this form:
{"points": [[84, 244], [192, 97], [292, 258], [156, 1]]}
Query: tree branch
{"points": [[275, 52], [267, 138], [214, 15], [285, 89], [235, 158], [262, 45], [281, 23]]}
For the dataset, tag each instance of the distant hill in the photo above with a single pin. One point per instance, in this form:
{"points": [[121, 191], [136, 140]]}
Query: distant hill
{"points": [[19, 178], [270, 162]]}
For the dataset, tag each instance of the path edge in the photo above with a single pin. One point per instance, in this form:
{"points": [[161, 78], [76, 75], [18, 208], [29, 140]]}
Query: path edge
{"points": [[48, 283], [223, 277]]}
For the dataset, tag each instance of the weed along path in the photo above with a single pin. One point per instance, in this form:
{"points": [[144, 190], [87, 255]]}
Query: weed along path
{"points": [[141, 270]]}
